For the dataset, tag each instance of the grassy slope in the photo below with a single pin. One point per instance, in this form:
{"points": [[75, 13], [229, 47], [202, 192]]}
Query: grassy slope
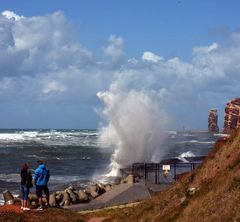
{"points": [[217, 198]]}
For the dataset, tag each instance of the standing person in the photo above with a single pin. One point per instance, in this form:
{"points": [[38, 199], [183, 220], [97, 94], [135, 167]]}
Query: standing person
{"points": [[26, 184], [41, 177]]}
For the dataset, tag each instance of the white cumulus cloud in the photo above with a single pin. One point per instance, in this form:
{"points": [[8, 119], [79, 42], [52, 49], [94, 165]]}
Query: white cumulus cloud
{"points": [[114, 49], [151, 57], [11, 15]]}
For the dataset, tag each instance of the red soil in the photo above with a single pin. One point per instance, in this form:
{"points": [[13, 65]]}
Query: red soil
{"points": [[10, 208], [7, 213], [97, 219]]}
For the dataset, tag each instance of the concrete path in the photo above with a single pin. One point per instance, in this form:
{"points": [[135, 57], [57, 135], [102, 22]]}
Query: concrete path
{"points": [[121, 194]]}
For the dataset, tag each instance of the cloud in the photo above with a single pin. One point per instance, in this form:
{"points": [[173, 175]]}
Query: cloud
{"points": [[151, 57], [42, 60], [53, 87], [39, 44], [12, 15], [114, 49]]}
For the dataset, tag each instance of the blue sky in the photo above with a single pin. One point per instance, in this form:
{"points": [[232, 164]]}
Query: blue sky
{"points": [[55, 56], [171, 28]]}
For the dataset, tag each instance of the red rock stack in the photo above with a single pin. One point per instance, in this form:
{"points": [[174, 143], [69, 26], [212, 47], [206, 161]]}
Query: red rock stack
{"points": [[232, 116], [213, 121]]}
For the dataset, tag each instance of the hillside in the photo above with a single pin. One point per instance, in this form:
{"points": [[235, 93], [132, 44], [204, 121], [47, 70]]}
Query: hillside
{"points": [[210, 193]]}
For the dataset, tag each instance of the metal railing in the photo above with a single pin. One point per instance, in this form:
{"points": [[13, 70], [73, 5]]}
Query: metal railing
{"points": [[165, 172]]}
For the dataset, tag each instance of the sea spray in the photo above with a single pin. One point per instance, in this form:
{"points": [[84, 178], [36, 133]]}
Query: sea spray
{"points": [[136, 120]]}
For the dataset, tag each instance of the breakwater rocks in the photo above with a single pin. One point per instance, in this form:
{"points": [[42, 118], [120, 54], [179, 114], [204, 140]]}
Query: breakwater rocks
{"points": [[232, 116], [213, 121], [70, 195]]}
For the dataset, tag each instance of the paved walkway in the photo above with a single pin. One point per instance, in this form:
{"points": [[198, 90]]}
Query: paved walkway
{"points": [[121, 194]]}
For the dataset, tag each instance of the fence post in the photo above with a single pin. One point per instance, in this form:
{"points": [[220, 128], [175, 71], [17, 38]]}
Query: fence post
{"points": [[175, 172], [156, 176], [145, 171], [194, 166]]}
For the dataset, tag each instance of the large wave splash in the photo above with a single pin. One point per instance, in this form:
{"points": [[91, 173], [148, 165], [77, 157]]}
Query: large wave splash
{"points": [[136, 120]]}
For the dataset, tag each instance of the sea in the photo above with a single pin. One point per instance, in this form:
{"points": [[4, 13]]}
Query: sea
{"points": [[77, 157]]}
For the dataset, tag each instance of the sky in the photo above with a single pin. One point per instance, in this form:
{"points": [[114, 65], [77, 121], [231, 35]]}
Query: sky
{"points": [[61, 61]]}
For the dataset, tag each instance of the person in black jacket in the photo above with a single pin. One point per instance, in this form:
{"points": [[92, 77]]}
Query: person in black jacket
{"points": [[26, 184]]}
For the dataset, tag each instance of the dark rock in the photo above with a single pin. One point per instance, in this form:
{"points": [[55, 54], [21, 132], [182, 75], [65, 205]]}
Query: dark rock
{"points": [[213, 121]]}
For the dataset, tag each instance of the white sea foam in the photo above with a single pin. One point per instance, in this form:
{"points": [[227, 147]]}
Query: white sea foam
{"points": [[51, 137], [221, 135], [136, 120], [11, 136], [171, 132], [186, 154], [64, 179], [195, 141], [12, 177]]}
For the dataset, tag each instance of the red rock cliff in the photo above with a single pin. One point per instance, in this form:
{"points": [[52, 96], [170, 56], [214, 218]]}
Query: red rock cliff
{"points": [[232, 116], [213, 121]]}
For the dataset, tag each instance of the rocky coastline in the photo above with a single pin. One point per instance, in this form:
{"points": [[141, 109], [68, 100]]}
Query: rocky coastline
{"points": [[70, 195]]}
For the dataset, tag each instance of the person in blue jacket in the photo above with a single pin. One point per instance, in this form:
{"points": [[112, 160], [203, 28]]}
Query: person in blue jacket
{"points": [[41, 177]]}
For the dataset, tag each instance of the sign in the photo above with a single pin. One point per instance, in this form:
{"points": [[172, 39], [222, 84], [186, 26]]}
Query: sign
{"points": [[165, 167]]}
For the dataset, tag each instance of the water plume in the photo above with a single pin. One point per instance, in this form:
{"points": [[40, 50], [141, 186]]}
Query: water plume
{"points": [[135, 123]]}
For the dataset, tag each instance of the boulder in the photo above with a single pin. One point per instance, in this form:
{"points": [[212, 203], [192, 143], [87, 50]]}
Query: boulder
{"points": [[73, 196], [65, 200], [108, 187], [129, 179], [83, 197], [191, 191], [59, 197], [32, 197], [8, 197], [53, 200]]}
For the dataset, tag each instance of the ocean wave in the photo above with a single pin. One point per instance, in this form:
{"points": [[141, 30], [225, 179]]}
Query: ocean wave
{"points": [[55, 179], [50, 137], [183, 155], [171, 132], [195, 141], [64, 179], [221, 134], [11, 177], [187, 154], [34, 156]]}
